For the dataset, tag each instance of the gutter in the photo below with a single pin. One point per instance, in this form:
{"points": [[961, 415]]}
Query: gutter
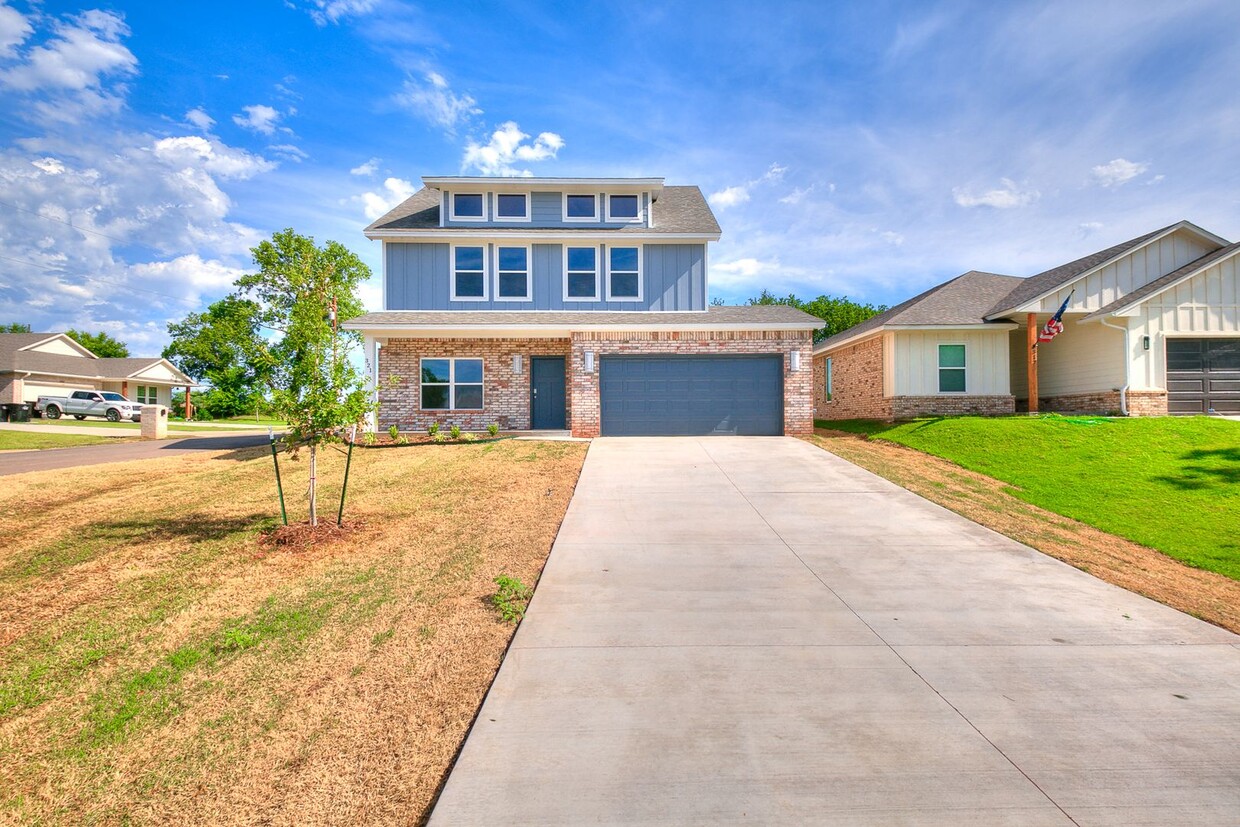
{"points": [[1123, 392]]}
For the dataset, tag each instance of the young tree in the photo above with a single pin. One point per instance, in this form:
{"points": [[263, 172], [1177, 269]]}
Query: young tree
{"points": [[100, 344], [303, 292], [221, 347], [837, 313], [15, 327]]}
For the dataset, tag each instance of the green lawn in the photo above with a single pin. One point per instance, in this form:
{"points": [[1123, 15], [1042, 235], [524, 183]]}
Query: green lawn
{"points": [[23, 441], [1170, 483]]}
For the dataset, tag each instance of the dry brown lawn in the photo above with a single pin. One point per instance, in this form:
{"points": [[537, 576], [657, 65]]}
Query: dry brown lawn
{"points": [[1210, 596], [159, 664]]}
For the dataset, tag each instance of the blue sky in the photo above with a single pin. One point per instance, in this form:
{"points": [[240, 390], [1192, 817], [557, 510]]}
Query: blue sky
{"points": [[869, 149]]}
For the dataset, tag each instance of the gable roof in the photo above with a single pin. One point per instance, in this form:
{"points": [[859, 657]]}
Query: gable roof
{"points": [[679, 210], [1048, 281], [1158, 285], [16, 358], [13, 342], [963, 300]]}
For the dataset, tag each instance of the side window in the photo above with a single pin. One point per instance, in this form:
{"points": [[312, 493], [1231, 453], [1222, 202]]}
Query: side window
{"points": [[951, 369], [827, 378], [469, 281]]}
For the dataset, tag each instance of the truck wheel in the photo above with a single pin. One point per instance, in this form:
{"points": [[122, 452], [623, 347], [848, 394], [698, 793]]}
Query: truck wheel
{"points": [[52, 412], [79, 417], [113, 415]]}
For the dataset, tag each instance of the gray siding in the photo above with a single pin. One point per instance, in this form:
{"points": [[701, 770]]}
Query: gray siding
{"points": [[546, 210], [419, 275]]}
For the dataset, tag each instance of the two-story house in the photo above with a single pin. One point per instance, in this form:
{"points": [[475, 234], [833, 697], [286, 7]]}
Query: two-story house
{"points": [[573, 303]]}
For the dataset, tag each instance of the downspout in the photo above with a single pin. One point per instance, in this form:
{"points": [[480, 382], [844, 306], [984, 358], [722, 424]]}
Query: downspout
{"points": [[1123, 392]]}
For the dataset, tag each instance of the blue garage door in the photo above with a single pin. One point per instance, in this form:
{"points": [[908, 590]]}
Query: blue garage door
{"points": [[691, 395]]}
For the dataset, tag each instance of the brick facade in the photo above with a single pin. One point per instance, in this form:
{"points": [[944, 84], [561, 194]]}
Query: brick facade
{"points": [[1147, 403], [1140, 403], [911, 407], [798, 402], [10, 389], [506, 395], [856, 383]]}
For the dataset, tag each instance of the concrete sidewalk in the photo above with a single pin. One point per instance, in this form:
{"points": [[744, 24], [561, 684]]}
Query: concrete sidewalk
{"points": [[753, 631]]}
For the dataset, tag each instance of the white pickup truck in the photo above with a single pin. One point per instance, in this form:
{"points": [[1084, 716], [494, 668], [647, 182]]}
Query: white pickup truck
{"points": [[82, 404]]}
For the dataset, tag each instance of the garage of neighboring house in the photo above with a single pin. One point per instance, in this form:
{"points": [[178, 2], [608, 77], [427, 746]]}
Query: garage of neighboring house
{"points": [[643, 395], [1203, 375]]}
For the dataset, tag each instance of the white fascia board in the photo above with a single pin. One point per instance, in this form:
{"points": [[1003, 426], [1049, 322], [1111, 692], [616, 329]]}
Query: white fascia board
{"points": [[395, 331], [86, 353], [449, 235], [897, 328], [529, 184]]}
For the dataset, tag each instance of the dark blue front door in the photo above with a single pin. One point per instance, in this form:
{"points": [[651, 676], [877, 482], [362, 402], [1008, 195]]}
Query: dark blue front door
{"points": [[547, 393]]}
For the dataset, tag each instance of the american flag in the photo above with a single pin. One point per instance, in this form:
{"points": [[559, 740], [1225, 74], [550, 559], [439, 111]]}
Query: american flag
{"points": [[1054, 326]]}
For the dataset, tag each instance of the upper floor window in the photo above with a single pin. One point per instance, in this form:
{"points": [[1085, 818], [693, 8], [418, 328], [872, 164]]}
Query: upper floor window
{"points": [[624, 275], [513, 282], [468, 206], [623, 207], [469, 281], [581, 274], [512, 206], [951, 369], [580, 207]]}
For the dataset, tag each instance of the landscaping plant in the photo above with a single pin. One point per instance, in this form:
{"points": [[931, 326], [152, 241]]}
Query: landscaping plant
{"points": [[493, 428], [511, 598], [455, 430], [433, 429], [393, 431]]}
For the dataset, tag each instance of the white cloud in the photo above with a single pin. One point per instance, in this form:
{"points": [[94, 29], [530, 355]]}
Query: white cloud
{"points": [[259, 118], [14, 29], [289, 152], [333, 11], [1117, 173], [211, 156], [435, 101], [507, 148], [205, 275], [1008, 196], [739, 194], [395, 190], [798, 194], [368, 168], [199, 118], [49, 165], [1088, 228]]}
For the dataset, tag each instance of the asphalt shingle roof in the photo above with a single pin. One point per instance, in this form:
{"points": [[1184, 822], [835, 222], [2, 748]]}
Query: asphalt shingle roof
{"points": [[963, 300], [1150, 288], [730, 316], [678, 210], [13, 358]]}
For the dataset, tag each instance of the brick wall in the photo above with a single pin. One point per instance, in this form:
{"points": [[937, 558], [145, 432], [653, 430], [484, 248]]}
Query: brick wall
{"points": [[10, 389], [911, 407], [798, 390], [1147, 403], [1099, 402], [505, 395], [856, 383]]}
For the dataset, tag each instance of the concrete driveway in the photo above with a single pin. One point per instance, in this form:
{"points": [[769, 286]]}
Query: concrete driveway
{"points": [[753, 631]]}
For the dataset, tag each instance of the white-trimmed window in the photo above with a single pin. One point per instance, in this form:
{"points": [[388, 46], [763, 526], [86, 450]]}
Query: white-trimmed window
{"points": [[467, 206], [512, 274], [624, 273], [469, 273], [622, 208], [512, 206], [827, 379], [581, 274], [578, 207], [148, 395], [451, 385], [951, 368]]}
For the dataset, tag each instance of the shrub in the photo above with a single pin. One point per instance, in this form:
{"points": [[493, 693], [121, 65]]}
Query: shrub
{"points": [[469, 438], [455, 430], [439, 439], [511, 598], [433, 429], [393, 431], [493, 428], [370, 437]]}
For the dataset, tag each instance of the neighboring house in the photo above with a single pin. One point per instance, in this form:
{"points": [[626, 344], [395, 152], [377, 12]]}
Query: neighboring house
{"points": [[52, 364], [579, 303], [1153, 327]]}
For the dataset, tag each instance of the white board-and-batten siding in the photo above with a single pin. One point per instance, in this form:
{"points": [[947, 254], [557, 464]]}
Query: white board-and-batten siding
{"points": [[913, 357]]}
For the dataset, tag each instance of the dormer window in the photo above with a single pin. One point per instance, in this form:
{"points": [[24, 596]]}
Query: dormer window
{"points": [[580, 207], [512, 206], [623, 208], [468, 206]]}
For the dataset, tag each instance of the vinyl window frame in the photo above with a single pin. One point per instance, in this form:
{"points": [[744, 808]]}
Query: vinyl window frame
{"points": [[828, 379], [452, 382], [147, 394], [637, 219], [598, 273], [452, 271], [529, 273], [452, 216], [962, 369], [510, 219], [595, 218], [640, 274]]}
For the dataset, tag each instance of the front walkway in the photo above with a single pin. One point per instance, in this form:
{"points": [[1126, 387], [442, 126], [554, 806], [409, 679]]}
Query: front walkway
{"points": [[753, 631]]}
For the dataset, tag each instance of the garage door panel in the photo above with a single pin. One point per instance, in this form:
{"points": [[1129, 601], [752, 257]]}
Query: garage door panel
{"points": [[691, 395], [1203, 376]]}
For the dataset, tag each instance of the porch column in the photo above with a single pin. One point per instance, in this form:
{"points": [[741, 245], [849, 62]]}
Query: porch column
{"points": [[1031, 359], [189, 406], [125, 389]]}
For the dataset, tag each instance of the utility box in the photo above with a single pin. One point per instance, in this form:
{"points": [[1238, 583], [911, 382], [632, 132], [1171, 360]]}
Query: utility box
{"points": [[154, 422]]}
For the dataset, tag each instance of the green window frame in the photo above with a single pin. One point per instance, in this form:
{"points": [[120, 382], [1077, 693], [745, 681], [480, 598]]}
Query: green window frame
{"points": [[148, 395], [952, 368]]}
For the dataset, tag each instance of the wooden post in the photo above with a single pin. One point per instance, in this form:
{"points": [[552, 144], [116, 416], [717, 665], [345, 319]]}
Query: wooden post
{"points": [[1031, 360], [125, 389], [189, 406]]}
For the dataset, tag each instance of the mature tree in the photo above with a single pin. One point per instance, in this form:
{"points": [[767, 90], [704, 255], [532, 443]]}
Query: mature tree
{"points": [[303, 292], [837, 313], [15, 327], [221, 347], [100, 344]]}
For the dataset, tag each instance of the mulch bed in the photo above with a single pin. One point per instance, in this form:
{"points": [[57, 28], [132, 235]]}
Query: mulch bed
{"points": [[296, 536]]}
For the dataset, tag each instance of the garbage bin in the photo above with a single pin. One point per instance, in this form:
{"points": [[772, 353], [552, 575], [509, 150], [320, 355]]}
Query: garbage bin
{"points": [[19, 413]]}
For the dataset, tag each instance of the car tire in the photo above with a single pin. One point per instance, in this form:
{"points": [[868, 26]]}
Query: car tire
{"points": [[113, 415], [52, 412], [79, 417]]}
